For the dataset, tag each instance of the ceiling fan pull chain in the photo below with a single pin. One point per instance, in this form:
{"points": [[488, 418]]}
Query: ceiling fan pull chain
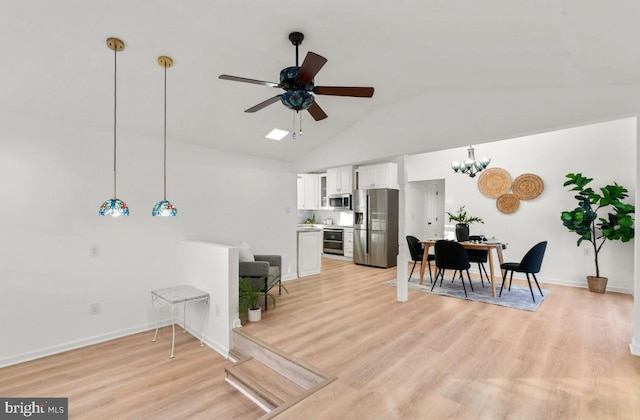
{"points": [[293, 135], [300, 133]]}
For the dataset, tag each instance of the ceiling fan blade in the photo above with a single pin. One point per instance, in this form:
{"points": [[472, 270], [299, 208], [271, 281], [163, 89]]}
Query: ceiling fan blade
{"points": [[245, 80], [310, 67], [359, 92], [316, 112], [263, 104]]}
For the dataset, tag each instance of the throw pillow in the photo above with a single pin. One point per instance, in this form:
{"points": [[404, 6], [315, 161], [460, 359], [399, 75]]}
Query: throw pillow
{"points": [[246, 254]]}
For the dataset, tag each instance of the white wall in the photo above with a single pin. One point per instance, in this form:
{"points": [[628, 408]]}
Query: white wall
{"points": [[54, 178], [214, 269], [605, 152]]}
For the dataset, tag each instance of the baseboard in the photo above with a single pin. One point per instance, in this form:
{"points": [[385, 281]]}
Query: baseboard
{"points": [[582, 285], [217, 347], [194, 330], [559, 282], [72, 345], [89, 341], [634, 346]]}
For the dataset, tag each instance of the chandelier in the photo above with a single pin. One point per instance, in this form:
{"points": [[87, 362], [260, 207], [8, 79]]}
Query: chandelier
{"points": [[470, 166]]}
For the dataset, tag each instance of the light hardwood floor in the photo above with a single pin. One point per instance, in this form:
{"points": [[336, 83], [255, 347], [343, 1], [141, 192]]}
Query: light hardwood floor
{"points": [[432, 357]]}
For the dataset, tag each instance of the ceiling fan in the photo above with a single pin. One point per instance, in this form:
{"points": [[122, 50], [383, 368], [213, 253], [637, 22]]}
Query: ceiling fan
{"points": [[297, 81]]}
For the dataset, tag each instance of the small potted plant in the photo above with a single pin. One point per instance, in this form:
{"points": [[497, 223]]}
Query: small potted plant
{"points": [[250, 294], [585, 221], [463, 220]]}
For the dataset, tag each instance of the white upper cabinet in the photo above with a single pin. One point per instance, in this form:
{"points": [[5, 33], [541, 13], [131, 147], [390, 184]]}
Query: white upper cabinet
{"points": [[324, 191], [382, 175], [308, 191], [340, 180]]}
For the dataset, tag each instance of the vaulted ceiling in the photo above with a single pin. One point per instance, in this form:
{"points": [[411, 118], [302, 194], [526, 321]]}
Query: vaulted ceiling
{"points": [[446, 73]]}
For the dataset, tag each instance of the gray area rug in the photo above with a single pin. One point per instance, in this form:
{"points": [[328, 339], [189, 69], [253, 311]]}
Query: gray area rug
{"points": [[519, 297]]}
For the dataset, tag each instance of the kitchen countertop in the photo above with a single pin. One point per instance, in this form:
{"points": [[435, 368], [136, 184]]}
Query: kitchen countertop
{"points": [[309, 228], [321, 226]]}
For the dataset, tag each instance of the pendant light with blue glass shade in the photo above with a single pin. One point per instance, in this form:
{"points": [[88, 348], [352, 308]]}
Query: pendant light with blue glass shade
{"points": [[165, 208], [114, 207]]}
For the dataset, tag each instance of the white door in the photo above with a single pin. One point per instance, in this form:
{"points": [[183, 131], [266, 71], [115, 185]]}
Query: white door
{"points": [[434, 220]]}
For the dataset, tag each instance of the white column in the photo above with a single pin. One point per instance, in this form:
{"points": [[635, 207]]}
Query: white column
{"points": [[403, 250], [634, 346]]}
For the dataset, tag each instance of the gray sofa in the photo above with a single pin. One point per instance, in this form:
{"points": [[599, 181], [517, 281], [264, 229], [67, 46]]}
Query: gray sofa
{"points": [[264, 272]]}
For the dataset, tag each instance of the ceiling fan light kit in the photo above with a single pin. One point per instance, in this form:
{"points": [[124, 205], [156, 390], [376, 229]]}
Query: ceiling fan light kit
{"points": [[299, 86], [298, 100]]}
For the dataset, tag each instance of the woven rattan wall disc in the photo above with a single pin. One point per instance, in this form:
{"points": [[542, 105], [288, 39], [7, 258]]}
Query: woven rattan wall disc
{"points": [[527, 186], [494, 182], [507, 203]]}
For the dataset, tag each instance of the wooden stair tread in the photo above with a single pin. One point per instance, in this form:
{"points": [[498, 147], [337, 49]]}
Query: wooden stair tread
{"points": [[264, 381], [273, 379]]}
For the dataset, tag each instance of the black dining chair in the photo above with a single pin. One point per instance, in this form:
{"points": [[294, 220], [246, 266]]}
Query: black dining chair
{"points": [[479, 256], [417, 252], [450, 255], [530, 264]]}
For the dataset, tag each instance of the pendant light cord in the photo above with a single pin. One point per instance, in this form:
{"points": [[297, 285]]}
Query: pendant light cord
{"points": [[115, 107], [165, 131]]}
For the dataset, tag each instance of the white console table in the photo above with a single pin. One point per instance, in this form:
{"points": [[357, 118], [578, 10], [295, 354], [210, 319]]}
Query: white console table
{"points": [[179, 295]]}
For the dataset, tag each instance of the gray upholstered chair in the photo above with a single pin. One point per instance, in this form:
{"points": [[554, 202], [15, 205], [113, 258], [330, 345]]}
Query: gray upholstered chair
{"points": [[265, 272]]}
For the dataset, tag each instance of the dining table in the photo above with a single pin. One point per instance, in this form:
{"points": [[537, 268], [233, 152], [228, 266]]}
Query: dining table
{"points": [[487, 246]]}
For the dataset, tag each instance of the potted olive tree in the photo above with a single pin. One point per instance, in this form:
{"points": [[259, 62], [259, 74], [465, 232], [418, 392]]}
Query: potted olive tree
{"points": [[585, 221], [463, 220]]}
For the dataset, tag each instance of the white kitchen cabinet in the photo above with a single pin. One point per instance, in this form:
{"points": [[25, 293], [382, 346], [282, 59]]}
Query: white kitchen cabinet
{"points": [[308, 191], [309, 252], [324, 191], [347, 238], [382, 175], [340, 180]]}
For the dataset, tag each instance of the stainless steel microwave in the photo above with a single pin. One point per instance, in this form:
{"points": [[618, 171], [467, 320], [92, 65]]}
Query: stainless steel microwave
{"points": [[340, 202]]}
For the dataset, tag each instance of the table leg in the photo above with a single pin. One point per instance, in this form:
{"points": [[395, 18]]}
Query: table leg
{"points": [[493, 279], [153, 305], [184, 318], [424, 262], [500, 261], [173, 330]]}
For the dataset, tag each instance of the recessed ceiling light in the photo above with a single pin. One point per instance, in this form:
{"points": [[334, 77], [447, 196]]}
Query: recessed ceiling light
{"points": [[277, 134]]}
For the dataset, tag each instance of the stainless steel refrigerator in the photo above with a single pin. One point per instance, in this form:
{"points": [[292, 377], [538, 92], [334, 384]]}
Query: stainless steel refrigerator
{"points": [[375, 227]]}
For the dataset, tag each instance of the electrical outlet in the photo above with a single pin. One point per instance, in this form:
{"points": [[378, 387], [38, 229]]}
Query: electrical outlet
{"points": [[217, 310], [94, 251], [587, 252], [94, 309]]}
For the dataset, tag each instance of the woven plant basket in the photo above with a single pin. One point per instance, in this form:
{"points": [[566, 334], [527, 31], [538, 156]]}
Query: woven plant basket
{"points": [[597, 284]]}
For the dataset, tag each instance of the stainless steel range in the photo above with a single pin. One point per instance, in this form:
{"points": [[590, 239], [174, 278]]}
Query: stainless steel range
{"points": [[333, 241]]}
